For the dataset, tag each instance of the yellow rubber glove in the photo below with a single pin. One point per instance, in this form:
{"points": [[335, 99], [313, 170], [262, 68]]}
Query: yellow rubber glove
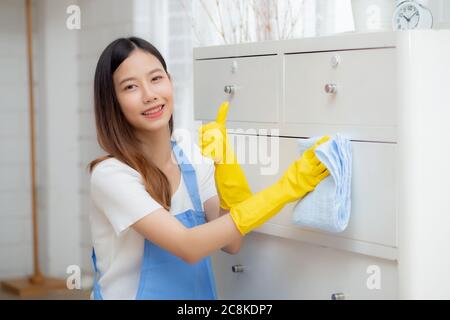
{"points": [[231, 183], [302, 176]]}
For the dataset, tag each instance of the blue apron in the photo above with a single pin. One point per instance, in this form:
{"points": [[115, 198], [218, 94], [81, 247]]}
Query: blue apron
{"points": [[164, 275]]}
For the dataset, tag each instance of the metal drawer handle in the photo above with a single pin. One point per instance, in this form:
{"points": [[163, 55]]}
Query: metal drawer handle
{"points": [[335, 60], [237, 268], [229, 89], [338, 296], [331, 88]]}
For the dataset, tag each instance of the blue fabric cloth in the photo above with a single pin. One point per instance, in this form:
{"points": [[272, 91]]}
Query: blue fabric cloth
{"points": [[328, 206], [164, 275]]}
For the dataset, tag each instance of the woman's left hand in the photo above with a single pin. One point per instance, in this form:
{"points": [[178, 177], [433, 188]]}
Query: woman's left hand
{"points": [[213, 140]]}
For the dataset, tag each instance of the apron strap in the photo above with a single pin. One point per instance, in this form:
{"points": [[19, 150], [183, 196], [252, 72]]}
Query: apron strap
{"points": [[189, 176], [96, 289], [94, 261]]}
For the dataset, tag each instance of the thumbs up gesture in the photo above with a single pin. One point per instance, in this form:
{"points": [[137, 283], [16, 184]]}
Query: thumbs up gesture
{"points": [[213, 140], [231, 183]]}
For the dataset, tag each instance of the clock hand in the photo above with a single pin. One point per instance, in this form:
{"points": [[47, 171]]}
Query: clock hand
{"points": [[415, 13], [405, 17]]}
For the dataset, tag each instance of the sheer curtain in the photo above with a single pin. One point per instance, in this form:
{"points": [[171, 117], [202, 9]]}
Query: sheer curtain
{"points": [[238, 21]]}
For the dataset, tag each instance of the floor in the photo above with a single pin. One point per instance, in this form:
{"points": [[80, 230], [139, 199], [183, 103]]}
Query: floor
{"points": [[54, 295]]}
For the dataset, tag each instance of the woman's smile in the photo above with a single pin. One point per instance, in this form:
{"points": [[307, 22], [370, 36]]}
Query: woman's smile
{"points": [[155, 112]]}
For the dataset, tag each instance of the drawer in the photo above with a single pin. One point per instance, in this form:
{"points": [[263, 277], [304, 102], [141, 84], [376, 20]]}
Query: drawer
{"points": [[365, 81], [256, 81], [239, 276], [295, 270], [373, 218]]}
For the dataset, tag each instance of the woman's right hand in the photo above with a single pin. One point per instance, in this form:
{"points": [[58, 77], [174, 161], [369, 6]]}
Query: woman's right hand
{"points": [[302, 176], [305, 173]]}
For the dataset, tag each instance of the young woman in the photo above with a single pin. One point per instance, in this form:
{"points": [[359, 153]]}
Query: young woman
{"points": [[157, 214]]}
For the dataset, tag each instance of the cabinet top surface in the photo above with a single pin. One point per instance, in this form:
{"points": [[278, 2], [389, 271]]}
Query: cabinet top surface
{"points": [[343, 41]]}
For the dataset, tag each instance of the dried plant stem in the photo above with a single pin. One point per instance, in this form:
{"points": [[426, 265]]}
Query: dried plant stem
{"points": [[234, 20], [193, 24], [277, 22], [294, 22], [219, 30], [221, 19]]}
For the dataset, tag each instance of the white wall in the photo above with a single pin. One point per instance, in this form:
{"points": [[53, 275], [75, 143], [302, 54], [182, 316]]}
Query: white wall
{"points": [[15, 226], [56, 140], [58, 129]]}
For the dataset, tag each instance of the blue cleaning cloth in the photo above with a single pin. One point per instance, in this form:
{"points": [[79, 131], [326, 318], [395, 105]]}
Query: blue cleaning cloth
{"points": [[328, 206]]}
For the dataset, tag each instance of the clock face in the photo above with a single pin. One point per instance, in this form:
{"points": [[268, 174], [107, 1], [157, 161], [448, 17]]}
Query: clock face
{"points": [[411, 15], [408, 17]]}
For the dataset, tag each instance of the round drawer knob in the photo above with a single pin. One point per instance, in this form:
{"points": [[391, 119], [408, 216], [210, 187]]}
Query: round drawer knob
{"points": [[330, 88], [229, 89], [335, 60], [338, 296], [237, 268]]}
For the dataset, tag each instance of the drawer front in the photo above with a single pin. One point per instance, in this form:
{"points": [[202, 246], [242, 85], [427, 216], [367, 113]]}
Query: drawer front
{"points": [[256, 83], [276, 268], [373, 214], [365, 83]]}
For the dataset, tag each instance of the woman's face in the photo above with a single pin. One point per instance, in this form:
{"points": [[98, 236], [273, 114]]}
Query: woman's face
{"points": [[142, 87]]}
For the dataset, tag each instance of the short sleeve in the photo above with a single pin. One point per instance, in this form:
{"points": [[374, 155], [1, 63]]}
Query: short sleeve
{"points": [[118, 191]]}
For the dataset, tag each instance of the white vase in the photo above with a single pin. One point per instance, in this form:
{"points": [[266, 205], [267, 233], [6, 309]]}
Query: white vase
{"points": [[373, 15]]}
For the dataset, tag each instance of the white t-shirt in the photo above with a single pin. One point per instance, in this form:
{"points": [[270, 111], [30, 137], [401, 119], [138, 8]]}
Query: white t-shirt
{"points": [[119, 200]]}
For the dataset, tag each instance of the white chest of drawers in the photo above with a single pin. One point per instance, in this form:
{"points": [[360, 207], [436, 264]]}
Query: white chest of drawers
{"points": [[389, 93]]}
